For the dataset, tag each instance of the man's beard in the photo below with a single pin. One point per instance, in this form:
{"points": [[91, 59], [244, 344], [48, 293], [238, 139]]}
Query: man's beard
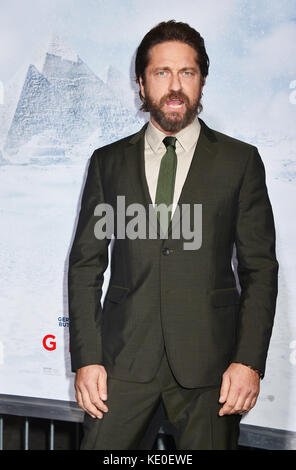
{"points": [[173, 121]]}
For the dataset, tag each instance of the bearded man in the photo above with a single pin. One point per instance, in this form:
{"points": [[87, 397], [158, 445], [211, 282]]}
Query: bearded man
{"points": [[175, 328]]}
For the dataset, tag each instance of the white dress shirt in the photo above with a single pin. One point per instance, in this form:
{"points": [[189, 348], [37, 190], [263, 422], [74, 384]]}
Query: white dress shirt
{"points": [[155, 149]]}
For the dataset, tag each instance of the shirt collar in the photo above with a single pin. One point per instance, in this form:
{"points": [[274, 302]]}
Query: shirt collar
{"points": [[187, 137]]}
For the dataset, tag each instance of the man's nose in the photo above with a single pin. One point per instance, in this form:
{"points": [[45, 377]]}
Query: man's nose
{"points": [[175, 83]]}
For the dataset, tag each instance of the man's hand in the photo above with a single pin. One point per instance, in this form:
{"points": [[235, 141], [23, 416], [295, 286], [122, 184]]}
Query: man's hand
{"points": [[239, 390], [91, 389]]}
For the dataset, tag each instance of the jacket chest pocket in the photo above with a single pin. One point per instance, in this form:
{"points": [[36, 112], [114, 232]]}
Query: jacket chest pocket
{"points": [[225, 297]]}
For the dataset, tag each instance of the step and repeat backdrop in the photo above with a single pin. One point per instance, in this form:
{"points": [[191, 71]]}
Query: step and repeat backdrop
{"points": [[67, 87]]}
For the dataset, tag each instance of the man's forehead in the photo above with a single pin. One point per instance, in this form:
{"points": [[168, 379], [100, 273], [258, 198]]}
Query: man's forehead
{"points": [[172, 52]]}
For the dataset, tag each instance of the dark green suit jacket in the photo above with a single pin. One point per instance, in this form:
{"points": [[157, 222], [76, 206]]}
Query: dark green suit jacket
{"points": [[161, 295]]}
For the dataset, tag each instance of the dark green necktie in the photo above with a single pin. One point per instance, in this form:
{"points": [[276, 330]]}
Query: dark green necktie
{"points": [[166, 179]]}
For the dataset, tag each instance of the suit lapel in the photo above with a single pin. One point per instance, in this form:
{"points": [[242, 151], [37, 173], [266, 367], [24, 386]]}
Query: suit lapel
{"points": [[134, 155], [195, 186]]}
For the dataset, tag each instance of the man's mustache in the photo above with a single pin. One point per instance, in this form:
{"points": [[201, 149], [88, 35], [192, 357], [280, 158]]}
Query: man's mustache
{"points": [[176, 96]]}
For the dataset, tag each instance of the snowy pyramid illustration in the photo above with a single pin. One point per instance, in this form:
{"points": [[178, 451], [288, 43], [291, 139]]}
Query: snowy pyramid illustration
{"points": [[62, 103]]}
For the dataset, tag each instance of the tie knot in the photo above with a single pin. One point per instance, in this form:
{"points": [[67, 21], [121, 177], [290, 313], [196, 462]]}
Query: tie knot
{"points": [[170, 140]]}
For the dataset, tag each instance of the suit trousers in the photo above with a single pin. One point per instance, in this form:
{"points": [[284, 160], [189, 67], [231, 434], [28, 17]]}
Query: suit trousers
{"points": [[192, 412]]}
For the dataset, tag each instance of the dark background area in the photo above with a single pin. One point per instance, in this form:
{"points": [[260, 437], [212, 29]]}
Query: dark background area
{"points": [[67, 435]]}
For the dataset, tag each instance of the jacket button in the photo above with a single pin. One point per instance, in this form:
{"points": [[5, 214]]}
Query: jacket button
{"points": [[166, 251]]}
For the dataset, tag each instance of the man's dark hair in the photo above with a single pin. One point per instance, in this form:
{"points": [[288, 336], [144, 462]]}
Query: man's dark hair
{"points": [[170, 31]]}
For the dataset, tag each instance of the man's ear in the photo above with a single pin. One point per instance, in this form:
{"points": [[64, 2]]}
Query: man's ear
{"points": [[203, 82], [141, 82]]}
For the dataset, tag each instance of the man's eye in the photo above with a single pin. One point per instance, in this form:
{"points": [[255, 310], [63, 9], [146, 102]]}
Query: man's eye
{"points": [[162, 73], [187, 73]]}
